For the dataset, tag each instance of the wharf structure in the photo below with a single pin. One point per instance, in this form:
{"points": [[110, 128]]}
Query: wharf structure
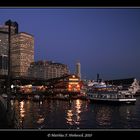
{"points": [[68, 87], [69, 83], [130, 84], [125, 85], [64, 87]]}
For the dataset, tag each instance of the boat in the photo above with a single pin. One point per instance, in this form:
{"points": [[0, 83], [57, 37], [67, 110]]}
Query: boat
{"points": [[113, 98], [108, 94]]}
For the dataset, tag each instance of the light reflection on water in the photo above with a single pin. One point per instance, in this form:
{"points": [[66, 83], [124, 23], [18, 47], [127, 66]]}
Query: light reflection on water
{"points": [[103, 116], [73, 115], [76, 114], [69, 117], [22, 109]]}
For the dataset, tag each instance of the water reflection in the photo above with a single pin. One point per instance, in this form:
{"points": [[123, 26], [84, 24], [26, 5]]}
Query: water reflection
{"points": [[22, 112], [73, 114], [78, 111], [127, 116], [103, 116], [40, 120], [12, 103], [22, 109], [40, 117], [69, 117], [128, 113]]}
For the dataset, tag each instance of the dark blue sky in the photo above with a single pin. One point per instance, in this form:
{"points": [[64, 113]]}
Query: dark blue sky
{"points": [[105, 41]]}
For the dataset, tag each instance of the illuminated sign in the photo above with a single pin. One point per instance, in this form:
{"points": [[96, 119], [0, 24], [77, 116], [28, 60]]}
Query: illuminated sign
{"points": [[73, 79]]}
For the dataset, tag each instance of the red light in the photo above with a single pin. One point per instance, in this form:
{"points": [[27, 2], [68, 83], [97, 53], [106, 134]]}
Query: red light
{"points": [[78, 86], [69, 86]]}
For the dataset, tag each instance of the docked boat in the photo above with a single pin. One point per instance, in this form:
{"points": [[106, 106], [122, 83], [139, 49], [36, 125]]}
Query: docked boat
{"points": [[108, 94], [113, 98]]}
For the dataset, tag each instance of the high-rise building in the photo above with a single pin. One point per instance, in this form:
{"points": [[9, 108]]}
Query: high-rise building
{"points": [[22, 53], [4, 31], [47, 70], [78, 70]]}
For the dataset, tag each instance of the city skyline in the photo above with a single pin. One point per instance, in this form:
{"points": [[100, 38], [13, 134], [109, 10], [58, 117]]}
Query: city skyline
{"points": [[104, 41]]}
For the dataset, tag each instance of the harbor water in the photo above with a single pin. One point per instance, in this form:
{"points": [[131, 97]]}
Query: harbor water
{"points": [[77, 114]]}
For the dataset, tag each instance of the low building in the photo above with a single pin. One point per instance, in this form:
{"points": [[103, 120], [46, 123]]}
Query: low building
{"points": [[47, 70]]}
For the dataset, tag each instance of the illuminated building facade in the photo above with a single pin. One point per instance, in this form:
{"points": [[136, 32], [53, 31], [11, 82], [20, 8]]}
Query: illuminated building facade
{"points": [[68, 84], [73, 84], [4, 31], [22, 54], [47, 70]]}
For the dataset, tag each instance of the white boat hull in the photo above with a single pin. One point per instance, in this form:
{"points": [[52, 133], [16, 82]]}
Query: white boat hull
{"points": [[113, 100]]}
